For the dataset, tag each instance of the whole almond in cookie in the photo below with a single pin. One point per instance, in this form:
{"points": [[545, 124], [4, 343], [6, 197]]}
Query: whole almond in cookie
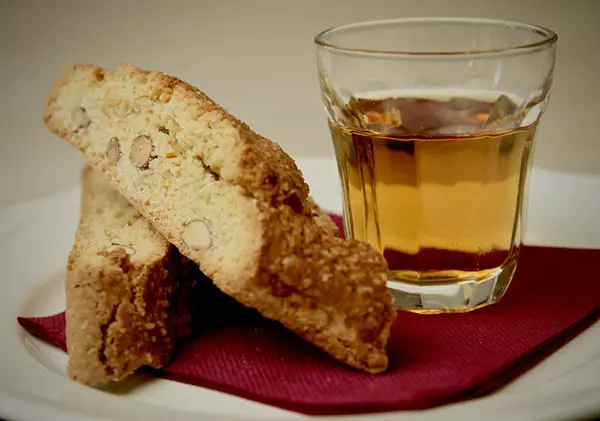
{"points": [[113, 152], [80, 119], [116, 246], [197, 235], [141, 152]]}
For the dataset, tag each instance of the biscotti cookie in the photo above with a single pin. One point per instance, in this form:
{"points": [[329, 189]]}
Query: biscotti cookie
{"points": [[230, 200], [126, 289]]}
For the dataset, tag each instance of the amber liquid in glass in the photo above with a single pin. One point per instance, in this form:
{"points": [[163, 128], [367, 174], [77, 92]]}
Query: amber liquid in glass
{"points": [[435, 183]]}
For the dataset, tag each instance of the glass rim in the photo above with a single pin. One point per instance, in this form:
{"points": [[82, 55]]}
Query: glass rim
{"points": [[550, 37]]}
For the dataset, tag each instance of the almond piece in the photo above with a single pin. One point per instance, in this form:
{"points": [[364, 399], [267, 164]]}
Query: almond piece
{"points": [[80, 119], [141, 152], [113, 151], [115, 246], [196, 235]]}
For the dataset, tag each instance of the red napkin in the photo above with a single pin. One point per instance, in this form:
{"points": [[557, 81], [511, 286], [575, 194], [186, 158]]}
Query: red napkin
{"points": [[434, 359]]}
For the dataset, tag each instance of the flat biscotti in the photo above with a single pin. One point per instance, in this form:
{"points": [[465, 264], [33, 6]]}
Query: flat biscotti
{"points": [[126, 289], [230, 200]]}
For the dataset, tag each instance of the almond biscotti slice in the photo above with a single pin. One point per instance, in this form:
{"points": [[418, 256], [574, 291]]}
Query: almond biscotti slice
{"points": [[125, 289], [230, 200]]}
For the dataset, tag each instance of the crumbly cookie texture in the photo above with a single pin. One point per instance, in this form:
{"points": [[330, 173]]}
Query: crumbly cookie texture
{"points": [[126, 289], [230, 200]]}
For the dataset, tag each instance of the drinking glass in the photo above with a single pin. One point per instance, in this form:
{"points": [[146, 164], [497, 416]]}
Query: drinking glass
{"points": [[433, 122]]}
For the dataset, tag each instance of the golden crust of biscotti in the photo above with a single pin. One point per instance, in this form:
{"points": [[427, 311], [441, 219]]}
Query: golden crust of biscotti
{"points": [[329, 290], [269, 246], [123, 311]]}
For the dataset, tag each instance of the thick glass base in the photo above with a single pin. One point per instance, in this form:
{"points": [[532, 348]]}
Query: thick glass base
{"points": [[466, 291]]}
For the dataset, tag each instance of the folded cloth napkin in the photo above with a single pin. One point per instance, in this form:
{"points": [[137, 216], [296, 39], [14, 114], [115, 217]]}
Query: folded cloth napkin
{"points": [[434, 360]]}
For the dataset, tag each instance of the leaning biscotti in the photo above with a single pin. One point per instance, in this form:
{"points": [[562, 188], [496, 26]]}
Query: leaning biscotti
{"points": [[125, 289], [230, 200]]}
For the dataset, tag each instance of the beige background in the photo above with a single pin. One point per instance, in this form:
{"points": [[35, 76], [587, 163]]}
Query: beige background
{"points": [[257, 59]]}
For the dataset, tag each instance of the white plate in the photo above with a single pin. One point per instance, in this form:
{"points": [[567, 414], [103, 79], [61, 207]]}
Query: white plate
{"points": [[36, 238]]}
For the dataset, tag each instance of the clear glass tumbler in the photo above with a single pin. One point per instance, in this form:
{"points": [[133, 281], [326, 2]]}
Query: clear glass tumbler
{"points": [[433, 122]]}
